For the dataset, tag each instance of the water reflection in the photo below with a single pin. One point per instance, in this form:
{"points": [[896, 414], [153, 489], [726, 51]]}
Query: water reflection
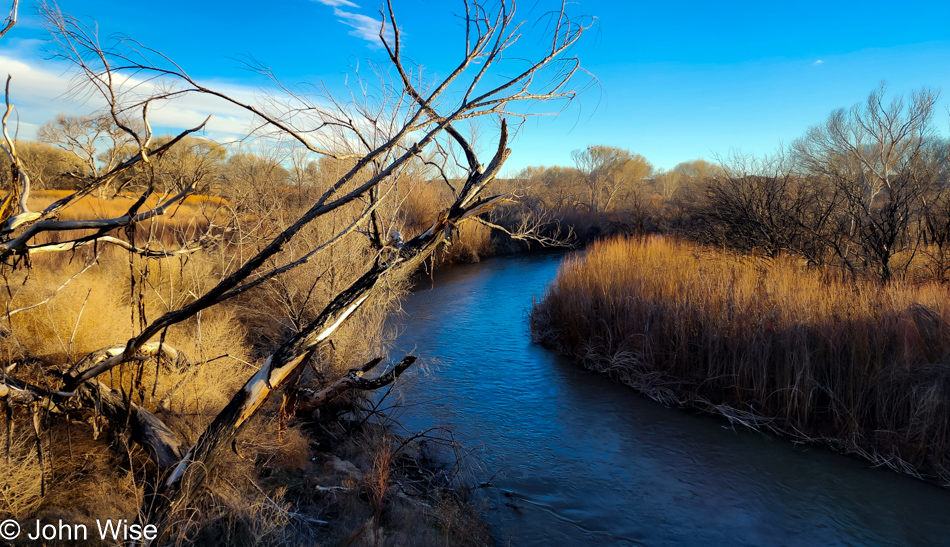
{"points": [[588, 462]]}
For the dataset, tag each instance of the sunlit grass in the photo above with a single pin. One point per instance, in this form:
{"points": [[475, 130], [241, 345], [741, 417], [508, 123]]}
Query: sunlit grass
{"points": [[98, 296], [95, 207], [808, 354]]}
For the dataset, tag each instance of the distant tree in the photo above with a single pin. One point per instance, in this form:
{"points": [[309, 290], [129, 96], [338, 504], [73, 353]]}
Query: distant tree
{"points": [[685, 177], [96, 140], [49, 166], [698, 169], [304, 170], [557, 189], [608, 172], [194, 162], [253, 182], [667, 183]]}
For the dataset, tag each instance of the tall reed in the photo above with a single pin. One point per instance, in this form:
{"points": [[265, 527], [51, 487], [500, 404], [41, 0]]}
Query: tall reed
{"points": [[855, 365]]}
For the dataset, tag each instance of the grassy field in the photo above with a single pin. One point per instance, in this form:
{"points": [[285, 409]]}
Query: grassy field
{"points": [[859, 366]]}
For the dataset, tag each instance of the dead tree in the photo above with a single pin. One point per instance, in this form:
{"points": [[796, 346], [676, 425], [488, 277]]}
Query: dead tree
{"points": [[414, 119]]}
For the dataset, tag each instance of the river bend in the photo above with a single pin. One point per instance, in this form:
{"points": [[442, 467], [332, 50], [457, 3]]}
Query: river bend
{"points": [[580, 460]]}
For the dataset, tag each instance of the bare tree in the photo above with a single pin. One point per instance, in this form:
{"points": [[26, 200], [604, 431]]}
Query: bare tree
{"points": [[557, 189], [761, 205], [686, 176], [609, 172], [11, 19], [48, 165], [873, 154], [96, 140], [411, 118]]}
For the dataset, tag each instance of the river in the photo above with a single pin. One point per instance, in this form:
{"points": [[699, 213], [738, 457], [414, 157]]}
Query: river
{"points": [[580, 460]]}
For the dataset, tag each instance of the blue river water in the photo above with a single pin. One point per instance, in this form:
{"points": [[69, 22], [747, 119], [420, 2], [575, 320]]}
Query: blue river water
{"points": [[576, 459]]}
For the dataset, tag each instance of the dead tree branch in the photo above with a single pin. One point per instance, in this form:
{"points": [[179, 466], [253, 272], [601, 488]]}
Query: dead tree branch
{"points": [[11, 19]]}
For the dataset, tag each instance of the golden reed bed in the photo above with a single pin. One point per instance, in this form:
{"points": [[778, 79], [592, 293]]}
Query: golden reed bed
{"points": [[807, 354]]}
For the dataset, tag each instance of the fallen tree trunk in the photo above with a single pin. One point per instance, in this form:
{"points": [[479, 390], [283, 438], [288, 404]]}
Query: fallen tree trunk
{"points": [[178, 485], [308, 403], [161, 443]]}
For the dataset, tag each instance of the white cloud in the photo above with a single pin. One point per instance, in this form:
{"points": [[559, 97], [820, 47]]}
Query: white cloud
{"points": [[818, 62], [364, 27], [336, 3], [42, 89], [39, 90]]}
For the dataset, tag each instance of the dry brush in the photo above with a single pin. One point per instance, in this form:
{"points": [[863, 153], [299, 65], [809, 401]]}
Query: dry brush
{"points": [[154, 296]]}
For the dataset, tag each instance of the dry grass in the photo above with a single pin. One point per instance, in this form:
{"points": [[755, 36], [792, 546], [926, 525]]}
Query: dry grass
{"points": [[94, 207], [180, 223], [810, 355], [91, 469], [420, 208], [21, 477], [262, 493], [472, 243], [395, 512]]}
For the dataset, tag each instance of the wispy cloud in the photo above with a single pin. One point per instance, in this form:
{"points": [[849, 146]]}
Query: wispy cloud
{"points": [[818, 62], [40, 90], [337, 3], [364, 27]]}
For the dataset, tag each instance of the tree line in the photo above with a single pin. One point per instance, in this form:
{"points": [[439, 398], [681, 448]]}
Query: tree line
{"points": [[69, 149], [866, 191]]}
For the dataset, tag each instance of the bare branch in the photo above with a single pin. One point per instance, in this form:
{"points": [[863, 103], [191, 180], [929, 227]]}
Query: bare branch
{"points": [[11, 19]]}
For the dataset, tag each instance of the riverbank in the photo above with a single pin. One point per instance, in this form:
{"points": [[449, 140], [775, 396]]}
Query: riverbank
{"points": [[773, 346], [514, 230], [281, 481], [571, 457]]}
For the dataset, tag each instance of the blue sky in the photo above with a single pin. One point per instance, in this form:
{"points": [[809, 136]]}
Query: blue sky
{"points": [[677, 80]]}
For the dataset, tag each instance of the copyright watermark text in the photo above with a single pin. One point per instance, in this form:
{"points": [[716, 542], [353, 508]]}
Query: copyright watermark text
{"points": [[114, 529]]}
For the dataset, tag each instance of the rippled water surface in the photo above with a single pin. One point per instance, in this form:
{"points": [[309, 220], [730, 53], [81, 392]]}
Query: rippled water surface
{"points": [[585, 461]]}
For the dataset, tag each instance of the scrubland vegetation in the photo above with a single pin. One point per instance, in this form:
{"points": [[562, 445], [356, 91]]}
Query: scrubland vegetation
{"points": [[190, 331], [266, 490], [865, 192]]}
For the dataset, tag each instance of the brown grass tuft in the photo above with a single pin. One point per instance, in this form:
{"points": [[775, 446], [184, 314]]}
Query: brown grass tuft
{"points": [[21, 477]]}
